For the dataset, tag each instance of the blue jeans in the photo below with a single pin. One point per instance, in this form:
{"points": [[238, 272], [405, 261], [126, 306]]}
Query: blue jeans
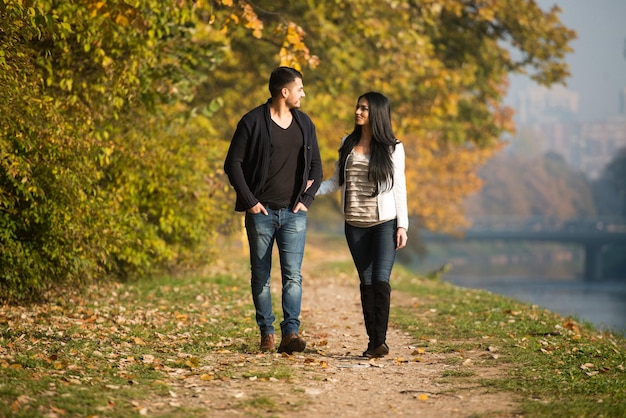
{"points": [[373, 250], [288, 229]]}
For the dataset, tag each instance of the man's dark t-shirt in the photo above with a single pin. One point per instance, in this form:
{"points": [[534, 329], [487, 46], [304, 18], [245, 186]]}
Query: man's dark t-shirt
{"points": [[286, 167]]}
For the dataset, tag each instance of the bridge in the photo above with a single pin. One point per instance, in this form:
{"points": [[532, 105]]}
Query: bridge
{"points": [[592, 233]]}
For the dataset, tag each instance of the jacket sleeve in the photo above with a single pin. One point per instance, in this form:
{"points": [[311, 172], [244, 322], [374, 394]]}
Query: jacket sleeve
{"points": [[399, 187], [233, 166], [332, 184], [315, 169]]}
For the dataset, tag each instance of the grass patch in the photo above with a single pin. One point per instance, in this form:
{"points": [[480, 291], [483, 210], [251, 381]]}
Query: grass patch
{"points": [[100, 353], [260, 402], [458, 373], [551, 360]]}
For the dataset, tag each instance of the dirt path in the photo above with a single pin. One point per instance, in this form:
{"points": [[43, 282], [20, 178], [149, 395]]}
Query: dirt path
{"points": [[332, 380]]}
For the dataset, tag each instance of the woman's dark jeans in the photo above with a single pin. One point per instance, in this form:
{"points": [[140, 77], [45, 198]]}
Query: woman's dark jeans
{"points": [[373, 250]]}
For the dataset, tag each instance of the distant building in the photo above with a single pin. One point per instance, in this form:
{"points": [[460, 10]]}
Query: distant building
{"points": [[540, 103], [599, 143], [586, 146], [552, 115]]}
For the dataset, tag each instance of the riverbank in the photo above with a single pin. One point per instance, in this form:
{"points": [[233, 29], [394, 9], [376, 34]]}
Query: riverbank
{"points": [[547, 275], [602, 303]]}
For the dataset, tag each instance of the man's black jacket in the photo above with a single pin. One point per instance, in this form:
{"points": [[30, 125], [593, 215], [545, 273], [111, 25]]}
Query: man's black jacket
{"points": [[248, 159]]}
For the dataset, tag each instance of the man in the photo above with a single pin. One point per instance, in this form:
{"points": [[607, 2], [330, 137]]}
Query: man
{"points": [[274, 165]]}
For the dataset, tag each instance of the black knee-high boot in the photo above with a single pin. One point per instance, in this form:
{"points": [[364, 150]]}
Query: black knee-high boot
{"points": [[382, 303], [367, 303]]}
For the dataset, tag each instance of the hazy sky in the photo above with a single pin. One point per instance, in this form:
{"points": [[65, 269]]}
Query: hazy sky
{"points": [[598, 63]]}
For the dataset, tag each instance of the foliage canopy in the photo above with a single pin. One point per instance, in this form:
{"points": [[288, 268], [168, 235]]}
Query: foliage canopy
{"points": [[115, 114]]}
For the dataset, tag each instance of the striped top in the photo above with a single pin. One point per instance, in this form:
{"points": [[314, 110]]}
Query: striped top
{"points": [[361, 206]]}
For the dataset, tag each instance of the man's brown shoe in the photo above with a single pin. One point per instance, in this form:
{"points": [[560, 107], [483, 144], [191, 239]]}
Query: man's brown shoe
{"points": [[267, 342], [291, 343]]}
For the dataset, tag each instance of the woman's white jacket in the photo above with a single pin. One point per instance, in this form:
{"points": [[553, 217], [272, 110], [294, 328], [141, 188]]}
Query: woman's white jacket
{"points": [[391, 203]]}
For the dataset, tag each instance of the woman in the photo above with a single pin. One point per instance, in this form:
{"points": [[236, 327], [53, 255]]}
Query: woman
{"points": [[370, 173]]}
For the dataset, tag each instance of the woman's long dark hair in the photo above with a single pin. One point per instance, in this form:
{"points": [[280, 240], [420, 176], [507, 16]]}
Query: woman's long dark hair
{"points": [[383, 142]]}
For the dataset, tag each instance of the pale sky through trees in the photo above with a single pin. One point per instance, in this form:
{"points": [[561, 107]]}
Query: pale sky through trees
{"points": [[598, 63]]}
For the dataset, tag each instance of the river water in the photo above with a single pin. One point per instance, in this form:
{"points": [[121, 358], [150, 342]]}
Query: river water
{"points": [[545, 276], [602, 303]]}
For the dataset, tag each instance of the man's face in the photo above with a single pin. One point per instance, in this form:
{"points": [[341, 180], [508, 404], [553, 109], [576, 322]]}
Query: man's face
{"points": [[295, 92]]}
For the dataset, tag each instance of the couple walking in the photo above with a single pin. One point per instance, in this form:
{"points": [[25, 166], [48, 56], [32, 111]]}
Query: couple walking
{"points": [[274, 165]]}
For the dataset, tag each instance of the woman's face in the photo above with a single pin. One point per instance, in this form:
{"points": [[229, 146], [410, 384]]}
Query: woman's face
{"points": [[362, 112]]}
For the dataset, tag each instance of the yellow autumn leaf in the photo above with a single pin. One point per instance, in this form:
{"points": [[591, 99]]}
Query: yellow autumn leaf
{"points": [[422, 397], [192, 362], [121, 20], [486, 13], [293, 37]]}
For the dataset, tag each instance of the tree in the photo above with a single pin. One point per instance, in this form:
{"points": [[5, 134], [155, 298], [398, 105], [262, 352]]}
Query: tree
{"points": [[542, 186], [444, 65], [78, 81], [115, 115]]}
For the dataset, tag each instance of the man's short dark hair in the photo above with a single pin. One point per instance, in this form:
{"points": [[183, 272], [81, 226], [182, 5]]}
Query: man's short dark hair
{"points": [[280, 77]]}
